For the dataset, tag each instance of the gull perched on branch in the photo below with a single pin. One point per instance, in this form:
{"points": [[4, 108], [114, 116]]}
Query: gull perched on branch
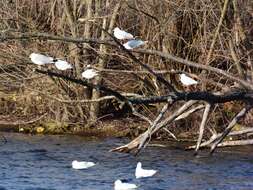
{"points": [[89, 73], [134, 44], [62, 65], [187, 81], [139, 172], [40, 59], [121, 34], [82, 165], [119, 185]]}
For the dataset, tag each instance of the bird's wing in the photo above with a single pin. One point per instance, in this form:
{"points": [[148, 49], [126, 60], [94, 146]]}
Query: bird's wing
{"points": [[127, 46], [135, 43], [129, 185], [191, 80], [126, 34], [45, 58]]}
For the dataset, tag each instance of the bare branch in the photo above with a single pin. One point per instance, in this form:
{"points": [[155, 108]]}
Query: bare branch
{"points": [[237, 118], [134, 144], [186, 62], [224, 10], [145, 66], [236, 61], [154, 124], [186, 114], [45, 36], [236, 143], [202, 126], [170, 133], [168, 56]]}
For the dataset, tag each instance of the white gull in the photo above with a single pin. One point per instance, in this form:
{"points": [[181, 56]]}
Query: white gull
{"points": [[40, 59], [63, 65], [139, 172], [82, 165], [121, 34], [89, 73], [134, 44], [187, 81], [119, 185]]}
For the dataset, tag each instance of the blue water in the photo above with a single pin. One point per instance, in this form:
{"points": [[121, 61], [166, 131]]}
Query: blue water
{"points": [[44, 162]]}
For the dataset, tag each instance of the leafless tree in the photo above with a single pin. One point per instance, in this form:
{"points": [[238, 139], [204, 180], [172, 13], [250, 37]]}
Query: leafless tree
{"points": [[183, 37]]}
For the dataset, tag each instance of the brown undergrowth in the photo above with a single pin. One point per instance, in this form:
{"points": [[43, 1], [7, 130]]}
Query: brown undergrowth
{"points": [[183, 28]]}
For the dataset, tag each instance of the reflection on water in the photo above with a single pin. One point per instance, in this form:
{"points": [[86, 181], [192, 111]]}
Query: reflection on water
{"points": [[44, 162]]}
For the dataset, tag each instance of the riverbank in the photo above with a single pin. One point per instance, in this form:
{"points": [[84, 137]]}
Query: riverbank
{"points": [[125, 127]]}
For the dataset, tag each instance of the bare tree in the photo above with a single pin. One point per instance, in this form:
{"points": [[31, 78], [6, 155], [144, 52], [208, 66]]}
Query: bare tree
{"points": [[183, 37]]}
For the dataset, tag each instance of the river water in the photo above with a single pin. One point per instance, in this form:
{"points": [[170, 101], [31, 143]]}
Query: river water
{"points": [[44, 163]]}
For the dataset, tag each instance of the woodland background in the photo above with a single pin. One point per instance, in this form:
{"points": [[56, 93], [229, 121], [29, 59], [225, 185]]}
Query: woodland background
{"points": [[209, 32]]}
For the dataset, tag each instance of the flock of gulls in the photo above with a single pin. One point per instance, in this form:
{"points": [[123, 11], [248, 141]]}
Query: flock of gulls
{"points": [[89, 72], [123, 35], [118, 184]]}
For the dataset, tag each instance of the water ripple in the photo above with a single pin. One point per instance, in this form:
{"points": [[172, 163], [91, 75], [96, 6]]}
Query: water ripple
{"points": [[44, 163]]}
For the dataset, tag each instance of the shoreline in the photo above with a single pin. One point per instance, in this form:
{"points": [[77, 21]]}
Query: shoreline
{"points": [[109, 128]]}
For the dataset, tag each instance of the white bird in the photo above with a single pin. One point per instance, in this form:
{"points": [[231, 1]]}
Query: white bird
{"points": [[40, 59], [187, 81], [119, 185], [82, 165], [89, 73], [62, 65], [134, 44], [139, 172], [121, 34]]}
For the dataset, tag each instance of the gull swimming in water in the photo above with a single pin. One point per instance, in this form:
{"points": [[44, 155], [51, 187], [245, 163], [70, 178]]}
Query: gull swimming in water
{"points": [[139, 172], [134, 44], [121, 34], [119, 185], [89, 73], [40, 59], [82, 165], [62, 65], [187, 81]]}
